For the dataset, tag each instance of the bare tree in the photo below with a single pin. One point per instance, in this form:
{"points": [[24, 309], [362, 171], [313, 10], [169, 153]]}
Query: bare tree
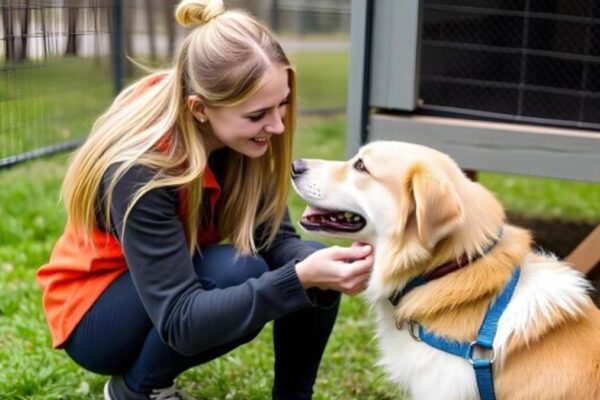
{"points": [[150, 26], [9, 32], [96, 16], [16, 23], [25, 13], [44, 31], [169, 9], [127, 23], [72, 16]]}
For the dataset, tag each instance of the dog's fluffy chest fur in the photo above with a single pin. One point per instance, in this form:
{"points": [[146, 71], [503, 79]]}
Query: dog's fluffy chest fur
{"points": [[427, 373], [545, 287]]}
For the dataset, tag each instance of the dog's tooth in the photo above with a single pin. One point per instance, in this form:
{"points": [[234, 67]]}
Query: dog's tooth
{"points": [[356, 218], [332, 218], [348, 215]]}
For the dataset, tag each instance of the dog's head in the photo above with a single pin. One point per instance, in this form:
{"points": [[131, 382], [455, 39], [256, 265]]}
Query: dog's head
{"points": [[411, 202]]}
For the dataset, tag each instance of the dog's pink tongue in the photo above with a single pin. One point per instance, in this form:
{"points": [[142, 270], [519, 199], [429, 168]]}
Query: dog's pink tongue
{"points": [[312, 211]]}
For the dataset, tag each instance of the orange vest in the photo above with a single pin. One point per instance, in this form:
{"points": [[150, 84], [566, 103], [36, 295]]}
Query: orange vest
{"points": [[77, 274]]}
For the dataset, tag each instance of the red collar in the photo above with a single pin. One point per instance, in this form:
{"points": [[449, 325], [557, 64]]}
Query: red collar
{"points": [[449, 267], [441, 271]]}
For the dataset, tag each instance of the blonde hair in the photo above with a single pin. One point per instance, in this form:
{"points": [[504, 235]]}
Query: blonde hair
{"points": [[225, 59]]}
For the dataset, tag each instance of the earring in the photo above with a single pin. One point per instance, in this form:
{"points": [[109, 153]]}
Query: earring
{"points": [[202, 120]]}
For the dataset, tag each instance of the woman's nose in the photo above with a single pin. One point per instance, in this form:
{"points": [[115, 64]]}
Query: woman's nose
{"points": [[275, 124]]}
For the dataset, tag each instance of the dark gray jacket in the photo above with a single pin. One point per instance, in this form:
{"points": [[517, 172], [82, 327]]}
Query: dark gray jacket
{"points": [[189, 318]]}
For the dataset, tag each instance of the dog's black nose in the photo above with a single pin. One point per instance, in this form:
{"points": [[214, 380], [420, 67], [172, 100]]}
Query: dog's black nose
{"points": [[298, 168]]}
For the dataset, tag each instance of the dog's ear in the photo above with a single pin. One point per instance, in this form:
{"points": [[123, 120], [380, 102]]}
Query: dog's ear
{"points": [[438, 207]]}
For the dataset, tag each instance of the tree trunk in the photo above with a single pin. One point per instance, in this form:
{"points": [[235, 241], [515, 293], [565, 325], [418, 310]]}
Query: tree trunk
{"points": [[9, 34], [127, 15], [25, 15], [72, 11], [44, 32], [96, 15], [151, 30], [170, 19]]}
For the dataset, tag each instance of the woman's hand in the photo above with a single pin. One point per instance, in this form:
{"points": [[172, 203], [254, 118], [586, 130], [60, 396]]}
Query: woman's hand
{"points": [[344, 269]]}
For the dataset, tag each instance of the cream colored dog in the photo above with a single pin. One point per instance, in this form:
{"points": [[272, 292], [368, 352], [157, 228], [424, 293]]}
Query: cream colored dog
{"points": [[420, 212]]}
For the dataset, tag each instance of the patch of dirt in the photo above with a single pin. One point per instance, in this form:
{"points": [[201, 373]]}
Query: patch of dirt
{"points": [[554, 235], [559, 237]]}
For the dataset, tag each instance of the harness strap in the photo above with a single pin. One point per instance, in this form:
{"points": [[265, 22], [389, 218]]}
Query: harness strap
{"points": [[413, 283], [484, 340], [485, 379]]}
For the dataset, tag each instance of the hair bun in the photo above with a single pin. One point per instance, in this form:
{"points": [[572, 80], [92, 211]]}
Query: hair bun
{"points": [[191, 13]]}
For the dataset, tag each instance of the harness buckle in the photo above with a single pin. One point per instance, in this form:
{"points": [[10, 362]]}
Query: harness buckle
{"points": [[482, 352]]}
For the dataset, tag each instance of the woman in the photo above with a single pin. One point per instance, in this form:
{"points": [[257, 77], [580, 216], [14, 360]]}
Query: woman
{"points": [[137, 287]]}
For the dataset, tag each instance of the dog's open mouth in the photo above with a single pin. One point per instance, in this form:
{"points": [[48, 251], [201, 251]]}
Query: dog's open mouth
{"points": [[316, 219]]}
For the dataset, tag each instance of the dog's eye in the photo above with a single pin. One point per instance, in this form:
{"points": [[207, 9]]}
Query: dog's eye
{"points": [[359, 165]]}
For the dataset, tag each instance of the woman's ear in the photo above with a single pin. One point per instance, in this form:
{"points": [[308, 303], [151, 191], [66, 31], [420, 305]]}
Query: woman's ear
{"points": [[196, 106]]}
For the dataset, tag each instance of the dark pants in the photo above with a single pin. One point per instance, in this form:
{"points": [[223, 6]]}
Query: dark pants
{"points": [[116, 337]]}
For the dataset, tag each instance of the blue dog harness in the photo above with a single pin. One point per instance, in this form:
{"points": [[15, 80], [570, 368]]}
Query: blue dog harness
{"points": [[485, 337]]}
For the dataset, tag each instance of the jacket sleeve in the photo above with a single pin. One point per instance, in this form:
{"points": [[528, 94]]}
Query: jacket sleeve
{"points": [[287, 246], [189, 318]]}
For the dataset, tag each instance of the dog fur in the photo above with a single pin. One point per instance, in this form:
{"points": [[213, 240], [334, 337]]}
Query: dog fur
{"points": [[421, 211]]}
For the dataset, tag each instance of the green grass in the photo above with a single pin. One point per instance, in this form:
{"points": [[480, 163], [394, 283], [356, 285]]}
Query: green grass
{"points": [[45, 103], [321, 79], [546, 198]]}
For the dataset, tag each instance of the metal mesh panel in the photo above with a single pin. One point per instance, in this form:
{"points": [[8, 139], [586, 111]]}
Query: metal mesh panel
{"points": [[54, 73], [61, 61], [533, 61]]}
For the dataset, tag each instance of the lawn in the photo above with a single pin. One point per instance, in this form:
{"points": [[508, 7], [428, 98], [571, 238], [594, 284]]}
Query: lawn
{"points": [[32, 219], [322, 79], [57, 100], [42, 103]]}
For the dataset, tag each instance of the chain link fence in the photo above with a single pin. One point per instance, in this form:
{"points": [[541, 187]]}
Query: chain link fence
{"points": [[535, 61], [61, 61]]}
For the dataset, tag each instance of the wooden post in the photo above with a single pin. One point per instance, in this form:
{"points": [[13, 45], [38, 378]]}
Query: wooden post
{"points": [[587, 254]]}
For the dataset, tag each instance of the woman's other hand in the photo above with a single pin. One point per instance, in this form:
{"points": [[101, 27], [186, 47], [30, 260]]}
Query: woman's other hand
{"points": [[344, 269]]}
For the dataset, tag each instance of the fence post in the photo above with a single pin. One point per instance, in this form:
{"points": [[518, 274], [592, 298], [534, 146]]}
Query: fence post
{"points": [[117, 46], [275, 16]]}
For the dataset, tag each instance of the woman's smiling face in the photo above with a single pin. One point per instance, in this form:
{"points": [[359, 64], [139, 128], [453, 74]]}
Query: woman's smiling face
{"points": [[248, 126]]}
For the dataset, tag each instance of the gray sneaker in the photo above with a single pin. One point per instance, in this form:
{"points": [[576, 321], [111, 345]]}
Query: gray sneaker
{"points": [[115, 389]]}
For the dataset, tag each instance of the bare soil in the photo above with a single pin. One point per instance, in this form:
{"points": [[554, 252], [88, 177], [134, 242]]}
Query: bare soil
{"points": [[559, 237]]}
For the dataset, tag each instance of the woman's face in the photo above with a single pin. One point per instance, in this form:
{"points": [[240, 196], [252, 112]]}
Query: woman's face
{"points": [[248, 127]]}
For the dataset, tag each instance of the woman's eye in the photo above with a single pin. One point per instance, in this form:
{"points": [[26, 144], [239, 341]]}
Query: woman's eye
{"points": [[256, 118], [359, 165]]}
